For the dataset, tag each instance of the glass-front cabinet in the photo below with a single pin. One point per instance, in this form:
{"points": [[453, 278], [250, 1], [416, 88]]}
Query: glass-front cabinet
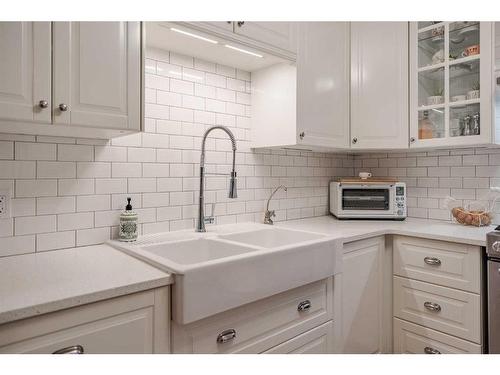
{"points": [[450, 83]]}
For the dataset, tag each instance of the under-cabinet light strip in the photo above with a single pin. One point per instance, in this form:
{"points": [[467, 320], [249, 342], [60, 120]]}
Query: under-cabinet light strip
{"points": [[194, 35], [243, 51]]}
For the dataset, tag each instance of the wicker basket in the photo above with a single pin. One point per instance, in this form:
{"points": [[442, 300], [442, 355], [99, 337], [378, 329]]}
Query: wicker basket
{"points": [[477, 218]]}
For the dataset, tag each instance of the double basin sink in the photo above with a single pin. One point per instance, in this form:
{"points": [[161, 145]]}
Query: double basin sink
{"points": [[234, 265]]}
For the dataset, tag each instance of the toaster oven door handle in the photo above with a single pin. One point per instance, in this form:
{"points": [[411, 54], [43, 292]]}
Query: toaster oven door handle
{"points": [[363, 198]]}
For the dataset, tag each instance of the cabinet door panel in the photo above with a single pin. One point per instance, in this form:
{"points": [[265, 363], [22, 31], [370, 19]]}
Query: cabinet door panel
{"points": [[363, 297], [25, 70], [323, 84], [277, 34], [379, 85], [97, 74]]}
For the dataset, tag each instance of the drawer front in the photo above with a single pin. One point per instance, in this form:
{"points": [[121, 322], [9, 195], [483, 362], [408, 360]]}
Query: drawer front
{"points": [[318, 340], [438, 262], [256, 327], [447, 310], [414, 339], [127, 333]]}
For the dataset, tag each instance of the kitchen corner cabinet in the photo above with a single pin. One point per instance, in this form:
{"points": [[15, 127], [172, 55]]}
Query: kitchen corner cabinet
{"points": [[379, 85], [78, 79], [365, 298], [306, 103], [131, 324], [451, 84]]}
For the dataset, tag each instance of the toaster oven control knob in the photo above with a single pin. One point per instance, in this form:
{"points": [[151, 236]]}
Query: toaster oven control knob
{"points": [[496, 246], [400, 212]]}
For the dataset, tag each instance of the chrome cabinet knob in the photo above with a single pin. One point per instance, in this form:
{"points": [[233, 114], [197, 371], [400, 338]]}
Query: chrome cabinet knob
{"points": [[240, 23], [63, 107], [43, 104], [412, 140], [302, 135], [225, 336], [431, 261], [429, 350], [304, 305], [75, 349], [432, 306], [355, 140], [496, 246]]}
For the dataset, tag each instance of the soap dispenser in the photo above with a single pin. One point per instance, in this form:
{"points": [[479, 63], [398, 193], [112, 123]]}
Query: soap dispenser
{"points": [[128, 224]]}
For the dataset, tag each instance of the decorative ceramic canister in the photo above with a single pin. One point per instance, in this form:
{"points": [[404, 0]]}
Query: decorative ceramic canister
{"points": [[128, 224]]}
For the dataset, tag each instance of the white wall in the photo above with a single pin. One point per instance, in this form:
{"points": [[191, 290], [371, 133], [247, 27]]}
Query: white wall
{"points": [[69, 192]]}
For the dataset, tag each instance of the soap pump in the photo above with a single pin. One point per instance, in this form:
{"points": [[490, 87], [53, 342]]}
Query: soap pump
{"points": [[128, 224]]}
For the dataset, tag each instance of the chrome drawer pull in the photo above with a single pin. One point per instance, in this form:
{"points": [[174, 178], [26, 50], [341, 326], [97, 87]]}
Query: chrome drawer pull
{"points": [[429, 350], [225, 336], [431, 261], [432, 306], [75, 349], [304, 305]]}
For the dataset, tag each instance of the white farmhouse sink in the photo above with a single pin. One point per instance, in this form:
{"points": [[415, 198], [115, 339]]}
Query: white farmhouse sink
{"points": [[195, 251], [217, 272], [270, 238]]}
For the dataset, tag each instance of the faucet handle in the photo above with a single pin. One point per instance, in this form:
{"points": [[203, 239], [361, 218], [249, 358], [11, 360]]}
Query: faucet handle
{"points": [[210, 219], [272, 213]]}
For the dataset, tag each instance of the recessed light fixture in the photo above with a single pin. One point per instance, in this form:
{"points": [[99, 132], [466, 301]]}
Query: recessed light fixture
{"points": [[194, 35], [243, 51]]}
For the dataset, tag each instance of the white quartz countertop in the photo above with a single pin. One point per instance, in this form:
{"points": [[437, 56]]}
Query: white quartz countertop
{"points": [[39, 283], [352, 230]]}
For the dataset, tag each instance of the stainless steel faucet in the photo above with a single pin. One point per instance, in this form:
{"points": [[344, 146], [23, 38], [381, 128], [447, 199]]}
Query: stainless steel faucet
{"points": [[270, 214], [200, 225]]}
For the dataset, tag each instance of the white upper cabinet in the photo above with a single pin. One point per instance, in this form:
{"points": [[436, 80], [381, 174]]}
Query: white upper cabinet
{"points": [[25, 71], [276, 34], [95, 74], [79, 79], [305, 105], [323, 84], [451, 84], [379, 85]]}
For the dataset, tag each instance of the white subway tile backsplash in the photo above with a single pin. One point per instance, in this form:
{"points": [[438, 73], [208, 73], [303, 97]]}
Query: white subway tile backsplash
{"points": [[55, 240], [94, 236], [35, 151], [110, 153], [56, 169], [55, 205], [17, 169], [36, 188], [141, 154], [93, 203], [75, 187], [110, 186], [75, 152], [17, 245], [6, 150], [80, 220], [34, 224]]}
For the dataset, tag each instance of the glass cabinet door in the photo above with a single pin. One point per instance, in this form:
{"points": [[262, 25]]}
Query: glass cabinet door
{"points": [[447, 68]]}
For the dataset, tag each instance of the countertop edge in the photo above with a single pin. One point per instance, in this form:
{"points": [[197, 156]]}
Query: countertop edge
{"points": [[58, 305]]}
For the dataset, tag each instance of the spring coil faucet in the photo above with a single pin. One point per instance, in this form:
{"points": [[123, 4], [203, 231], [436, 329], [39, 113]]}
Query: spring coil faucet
{"points": [[200, 225]]}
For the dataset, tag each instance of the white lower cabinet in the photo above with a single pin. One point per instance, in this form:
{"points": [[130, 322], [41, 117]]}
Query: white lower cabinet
{"points": [[318, 340], [365, 298], [136, 323], [259, 326], [437, 297], [412, 338]]}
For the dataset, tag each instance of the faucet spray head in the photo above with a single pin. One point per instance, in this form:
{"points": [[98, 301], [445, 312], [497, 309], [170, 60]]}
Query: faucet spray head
{"points": [[233, 192]]}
